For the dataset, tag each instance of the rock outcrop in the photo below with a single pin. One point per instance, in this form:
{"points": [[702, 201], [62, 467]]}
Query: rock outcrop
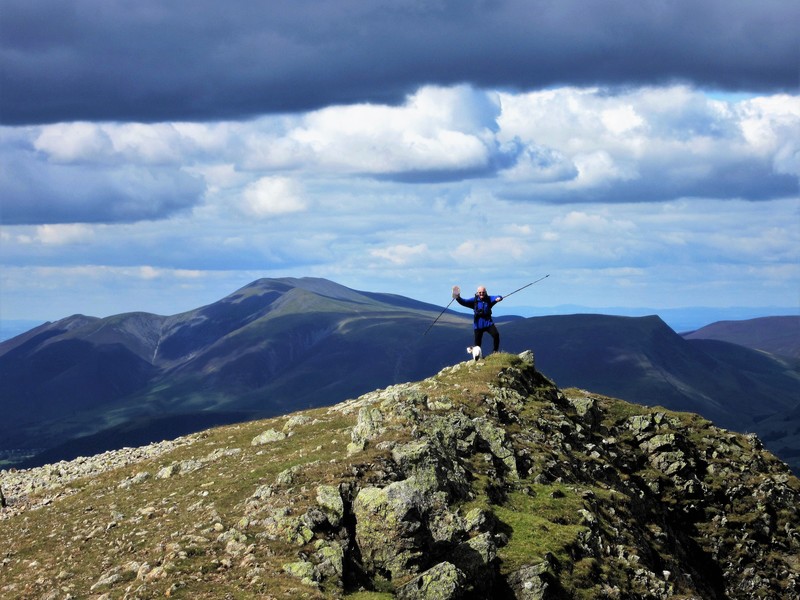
{"points": [[484, 481]]}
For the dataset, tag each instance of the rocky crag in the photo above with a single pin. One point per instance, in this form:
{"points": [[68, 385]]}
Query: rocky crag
{"points": [[484, 481]]}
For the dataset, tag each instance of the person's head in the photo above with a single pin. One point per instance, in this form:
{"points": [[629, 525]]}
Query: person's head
{"points": [[481, 292]]}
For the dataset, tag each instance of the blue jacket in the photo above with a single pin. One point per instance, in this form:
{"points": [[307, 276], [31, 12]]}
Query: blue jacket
{"points": [[482, 309]]}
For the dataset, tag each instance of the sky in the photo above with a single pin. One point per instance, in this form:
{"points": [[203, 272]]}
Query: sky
{"points": [[156, 156]]}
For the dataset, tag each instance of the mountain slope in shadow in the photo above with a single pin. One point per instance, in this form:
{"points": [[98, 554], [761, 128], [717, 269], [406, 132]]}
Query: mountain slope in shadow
{"points": [[83, 385], [271, 347], [776, 335]]}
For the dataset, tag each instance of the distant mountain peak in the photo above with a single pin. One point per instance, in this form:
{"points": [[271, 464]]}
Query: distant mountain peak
{"points": [[84, 384], [311, 284], [776, 335]]}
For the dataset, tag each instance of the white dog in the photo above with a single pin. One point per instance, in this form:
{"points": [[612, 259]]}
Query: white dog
{"points": [[475, 351]]}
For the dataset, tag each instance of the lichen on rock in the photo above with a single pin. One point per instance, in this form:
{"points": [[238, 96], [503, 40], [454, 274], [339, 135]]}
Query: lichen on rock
{"points": [[479, 482]]}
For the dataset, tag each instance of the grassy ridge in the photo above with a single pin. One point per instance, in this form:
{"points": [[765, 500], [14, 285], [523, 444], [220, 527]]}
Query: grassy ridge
{"points": [[598, 494]]}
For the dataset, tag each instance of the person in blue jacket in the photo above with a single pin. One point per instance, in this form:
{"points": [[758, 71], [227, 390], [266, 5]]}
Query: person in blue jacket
{"points": [[481, 305]]}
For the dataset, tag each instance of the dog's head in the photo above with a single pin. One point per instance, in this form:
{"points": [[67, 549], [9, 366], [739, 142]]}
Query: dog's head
{"points": [[475, 351]]}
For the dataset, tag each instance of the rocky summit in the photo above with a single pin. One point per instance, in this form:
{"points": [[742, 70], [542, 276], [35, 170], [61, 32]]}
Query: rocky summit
{"points": [[483, 481]]}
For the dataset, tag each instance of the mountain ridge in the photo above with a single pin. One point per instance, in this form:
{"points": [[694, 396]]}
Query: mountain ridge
{"points": [[775, 335], [483, 480], [194, 360], [277, 345]]}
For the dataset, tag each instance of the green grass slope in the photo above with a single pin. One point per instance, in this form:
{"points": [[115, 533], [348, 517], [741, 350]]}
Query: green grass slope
{"points": [[485, 480]]}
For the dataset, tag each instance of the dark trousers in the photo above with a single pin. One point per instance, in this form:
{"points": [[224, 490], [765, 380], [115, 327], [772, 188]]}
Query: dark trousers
{"points": [[492, 331]]}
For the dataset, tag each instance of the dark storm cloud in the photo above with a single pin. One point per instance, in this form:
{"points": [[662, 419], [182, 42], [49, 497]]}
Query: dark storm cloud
{"points": [[201, 59]]}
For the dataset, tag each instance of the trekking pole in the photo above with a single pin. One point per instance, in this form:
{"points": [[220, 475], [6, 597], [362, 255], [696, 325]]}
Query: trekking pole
{"points": [[524, 286], [456, 292]]}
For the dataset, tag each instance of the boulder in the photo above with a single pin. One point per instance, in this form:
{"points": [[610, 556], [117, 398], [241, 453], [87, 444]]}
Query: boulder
{"points": [[330, 500], [433, 466], [301, 569], [532, 582], [587, 411], [369, 425], [270, 435], [475, 557], [389, 530], [499, 445], [443, 581]]}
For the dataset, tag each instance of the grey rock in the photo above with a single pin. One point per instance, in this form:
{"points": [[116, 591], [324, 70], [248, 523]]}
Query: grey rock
{"points": [[303, 570], [329, 562], [295, 421], [532, 582], [388, 527], [475, 559], [441, 582], [369, 425], [498, 442], [168, 471], [268, 436], [330, 499], [587, 410]]}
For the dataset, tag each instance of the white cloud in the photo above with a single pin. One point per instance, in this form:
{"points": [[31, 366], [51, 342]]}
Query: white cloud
{"points": [[148, 272], [74, 142], [138, 143], [765, 121], [220, 176], [563, 144], [270, 196], [400, 254], [60, 235], [490, 251], [538, 164], [585, 222], [599, 167], [773, 125], [664, 141], [158, 143], [621, 119], [320, 194], [436, 129], [520, 229]]}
